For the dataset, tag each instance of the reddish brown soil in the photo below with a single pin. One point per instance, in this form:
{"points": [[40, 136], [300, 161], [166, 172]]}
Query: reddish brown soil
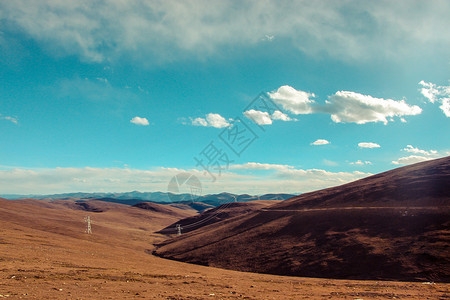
{"points": [[45, 254], [217, 214], [391, 226]]}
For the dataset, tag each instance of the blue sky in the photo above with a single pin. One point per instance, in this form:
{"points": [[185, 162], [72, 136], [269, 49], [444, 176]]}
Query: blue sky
{"points": [[119, 96]]}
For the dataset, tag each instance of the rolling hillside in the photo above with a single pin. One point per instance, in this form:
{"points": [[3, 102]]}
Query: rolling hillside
{"points": [[390, 226]]}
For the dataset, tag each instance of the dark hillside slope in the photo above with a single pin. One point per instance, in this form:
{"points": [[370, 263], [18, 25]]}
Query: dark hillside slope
{"points": [[390, 226], [217, 214]]}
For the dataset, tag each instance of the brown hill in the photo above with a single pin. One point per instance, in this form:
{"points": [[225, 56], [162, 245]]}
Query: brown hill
{"points": [[166, 209], [45, 254], [217, 214], [198, 206], [394, 225]]}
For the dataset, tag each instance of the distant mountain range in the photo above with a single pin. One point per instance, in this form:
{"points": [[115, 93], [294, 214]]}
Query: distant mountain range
{"points": [[135, 197]]}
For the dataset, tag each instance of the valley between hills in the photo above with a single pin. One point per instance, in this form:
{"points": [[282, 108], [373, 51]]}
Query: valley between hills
{"points": [[383, 237]]}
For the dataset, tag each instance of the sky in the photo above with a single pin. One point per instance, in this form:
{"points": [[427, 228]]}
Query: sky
{"points": [[248, 96]]}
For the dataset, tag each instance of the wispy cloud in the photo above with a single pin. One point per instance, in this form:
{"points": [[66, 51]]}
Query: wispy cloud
{"points": [[410, 148], [140, 121], [281, 178], [435, 93], [166, 30], [260, 166], [102, 95], [361, 163], [8, 118], [410, 160], [418, 155]]}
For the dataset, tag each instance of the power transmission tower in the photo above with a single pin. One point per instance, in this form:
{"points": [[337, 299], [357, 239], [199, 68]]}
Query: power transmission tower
{"points": [[87, 219], [178, 229]]}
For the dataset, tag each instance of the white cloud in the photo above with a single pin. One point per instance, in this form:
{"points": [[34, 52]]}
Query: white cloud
{"points": [[289, 178], [410, 148], [429, 91], [435, 93], [445, 107], [292, 100], [351, 107], [278, 115], [211, 120], [264, 118], [11, 119], [60, 180], [320, 142], [139, 121], [334, 178], [260, 166], [167, 30], [287, 171], [368, 145], [361, 163], [344, 106], [268, 38], [259, 117], [410, 160], [199, 122], [284, 178]]}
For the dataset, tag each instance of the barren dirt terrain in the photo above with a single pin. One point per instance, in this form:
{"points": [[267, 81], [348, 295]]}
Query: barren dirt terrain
{"points": [[390, 226], [45, 254]]}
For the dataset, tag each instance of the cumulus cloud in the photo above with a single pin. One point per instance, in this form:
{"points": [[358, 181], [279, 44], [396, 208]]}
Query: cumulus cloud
{"points": [[292, 100], [259, 117], [410, 148], [410, 160], [435, 93], [199, 122], [264, 118], [368, 145], [361, 163], [351, 107], [211, 120], [344, 106], [278, 115], [139, 121], [320, 142]]}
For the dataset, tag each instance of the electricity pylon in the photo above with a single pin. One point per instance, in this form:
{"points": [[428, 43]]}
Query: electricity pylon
{"points": [[178, 229], [87, 219]]}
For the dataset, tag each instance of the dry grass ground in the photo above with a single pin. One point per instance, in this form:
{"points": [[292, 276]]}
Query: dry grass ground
{"points": [[45, 254]]}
